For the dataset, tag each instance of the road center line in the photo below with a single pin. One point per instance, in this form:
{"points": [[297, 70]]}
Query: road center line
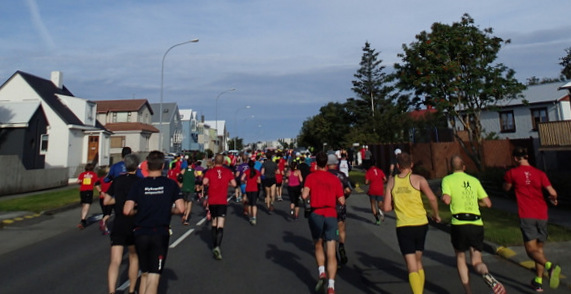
{"points": [[181, 238]]}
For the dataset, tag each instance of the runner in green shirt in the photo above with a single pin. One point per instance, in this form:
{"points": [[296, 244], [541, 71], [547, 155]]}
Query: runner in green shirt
{"points": [[464, 193]]}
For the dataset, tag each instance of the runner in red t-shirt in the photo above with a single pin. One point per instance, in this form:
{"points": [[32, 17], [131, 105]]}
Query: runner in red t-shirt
{"points": [[528, 183], [325, 191], [217, 180], [280, 175], [252, 178], [86, 181], [375, 178]]}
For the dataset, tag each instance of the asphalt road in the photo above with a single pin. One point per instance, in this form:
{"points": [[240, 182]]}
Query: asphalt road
{"points": [[49, 255]]}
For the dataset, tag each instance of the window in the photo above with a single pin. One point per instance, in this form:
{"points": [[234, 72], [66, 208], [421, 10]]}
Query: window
{"points": [[44, 143], [129, 117], [507, 123], [118, 142], [114, 117], [538, 115]]}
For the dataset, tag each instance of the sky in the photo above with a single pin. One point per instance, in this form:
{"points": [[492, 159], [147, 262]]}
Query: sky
{"points": [[285, 58]]}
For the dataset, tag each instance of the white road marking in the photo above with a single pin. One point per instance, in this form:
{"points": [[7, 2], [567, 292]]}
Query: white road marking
{"points": [[181, 238]]}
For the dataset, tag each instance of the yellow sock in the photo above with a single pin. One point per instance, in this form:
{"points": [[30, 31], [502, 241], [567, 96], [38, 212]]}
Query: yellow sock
{"points": [[548, 265], [421, 274], [415, 283], [538, 280]]}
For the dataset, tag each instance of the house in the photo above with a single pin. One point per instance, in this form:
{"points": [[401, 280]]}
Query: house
{"points": [[74, 137], [169, 125], [189, 122], [23, 128], [221, 138], [130, 120], [515, 119]]}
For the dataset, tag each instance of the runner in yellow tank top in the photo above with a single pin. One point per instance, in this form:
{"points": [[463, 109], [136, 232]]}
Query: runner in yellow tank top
{"points": [[408, 203], [403, 193]]}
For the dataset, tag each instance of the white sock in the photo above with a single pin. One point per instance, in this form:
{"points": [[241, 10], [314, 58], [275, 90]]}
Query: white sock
{"points": [[321, 270], [331, 284]]}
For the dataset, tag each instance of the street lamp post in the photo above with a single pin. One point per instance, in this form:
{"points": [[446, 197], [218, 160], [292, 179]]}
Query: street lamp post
{"points": [[162, 87], [236, 124], [223, 135]]}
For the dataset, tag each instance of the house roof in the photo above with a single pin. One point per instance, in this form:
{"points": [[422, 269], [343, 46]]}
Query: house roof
{"points": [[48, 91], [541, 93], [169, 110], [131, 126], [422, 113], [187, 114], [221, 126], [17, 114], [105, 106]]}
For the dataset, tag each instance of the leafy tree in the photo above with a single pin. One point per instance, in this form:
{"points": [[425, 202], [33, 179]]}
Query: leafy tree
{"points": [[451, 68], [566, 63], [329, 126]]}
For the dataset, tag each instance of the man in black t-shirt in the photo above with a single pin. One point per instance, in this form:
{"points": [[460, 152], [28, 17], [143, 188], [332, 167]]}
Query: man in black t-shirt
{"points": [[122, 230], [154, 196]]}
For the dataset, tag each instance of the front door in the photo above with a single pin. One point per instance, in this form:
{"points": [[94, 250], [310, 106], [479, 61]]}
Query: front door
{"points": [[93, 148]]}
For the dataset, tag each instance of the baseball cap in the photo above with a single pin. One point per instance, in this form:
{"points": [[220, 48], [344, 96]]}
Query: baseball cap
{"points": [[332, 159], [398, 151]]}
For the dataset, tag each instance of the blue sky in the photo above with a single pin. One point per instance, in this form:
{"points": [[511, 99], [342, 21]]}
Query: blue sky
{"points": [[285, 58]]}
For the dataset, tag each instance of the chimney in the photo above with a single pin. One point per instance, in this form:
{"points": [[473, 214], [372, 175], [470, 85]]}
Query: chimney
{"points": [[57, 79]]}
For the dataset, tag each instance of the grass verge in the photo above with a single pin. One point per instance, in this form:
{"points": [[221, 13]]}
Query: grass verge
{"points": [[500, 227], [42, 202]]}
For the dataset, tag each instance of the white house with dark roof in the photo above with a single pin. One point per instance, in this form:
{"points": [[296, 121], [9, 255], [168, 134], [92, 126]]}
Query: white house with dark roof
{"points": [[130, 120], [74, 137], [515, 119]]}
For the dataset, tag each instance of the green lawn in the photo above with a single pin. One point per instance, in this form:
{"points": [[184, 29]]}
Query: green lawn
{"points": [[42, 202]]}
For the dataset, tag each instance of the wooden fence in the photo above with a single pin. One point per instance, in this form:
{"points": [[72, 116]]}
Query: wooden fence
{"points": [[432, 159]]}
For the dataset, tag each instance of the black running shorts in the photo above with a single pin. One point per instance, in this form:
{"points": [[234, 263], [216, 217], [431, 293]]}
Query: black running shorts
{"points": [[152, 252], [411, 238], [86, 197], [465, 236], [218, 210]]}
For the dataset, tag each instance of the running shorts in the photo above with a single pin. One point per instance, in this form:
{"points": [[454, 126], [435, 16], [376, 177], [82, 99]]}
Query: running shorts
{"points": [[152, 252], [86, 196], [218, 210], [268, 182], [465, 236], [322, 227], [411, 238], [252, 197], [377, 198], [533, 229]]}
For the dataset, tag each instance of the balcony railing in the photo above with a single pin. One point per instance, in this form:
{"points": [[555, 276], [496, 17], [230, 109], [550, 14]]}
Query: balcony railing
{"points": [[555, 135]]}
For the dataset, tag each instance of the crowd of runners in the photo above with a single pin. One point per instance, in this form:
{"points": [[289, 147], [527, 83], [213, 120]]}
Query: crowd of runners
{"points": [[144, 199]]}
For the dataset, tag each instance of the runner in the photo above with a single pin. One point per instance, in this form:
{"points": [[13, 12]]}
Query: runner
{"points": [[463, 193], [86, 181], [154, 197], [324, 191], [333, 163], [122, 233], [294, 189], [404, 193], [217, 180], [269, 169], [528, 183], [188, 191], [375, 178], [251, 178], [106, 210], [281, 162], [241, 185]]}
